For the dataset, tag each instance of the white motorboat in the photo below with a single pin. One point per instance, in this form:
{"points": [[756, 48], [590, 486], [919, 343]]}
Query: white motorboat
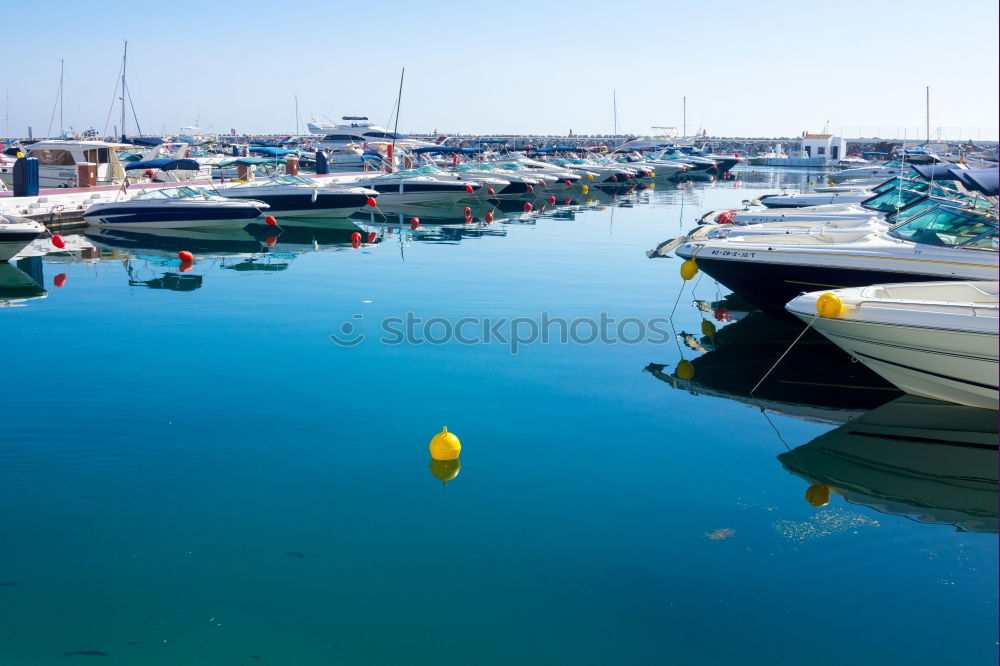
{"points": [[410, 186], [933, 339], [930, 461], [57, 162], [175, 208], [877, 172], [359, 131], [942, 243], [16, 233], [818, 196], [300, 197]]}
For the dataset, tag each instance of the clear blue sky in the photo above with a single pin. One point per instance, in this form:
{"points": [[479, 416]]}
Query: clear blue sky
{"points": [[747, 68]]}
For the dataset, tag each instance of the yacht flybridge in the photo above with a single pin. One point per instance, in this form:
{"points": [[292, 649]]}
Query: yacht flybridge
{"points": [[358, 130]]}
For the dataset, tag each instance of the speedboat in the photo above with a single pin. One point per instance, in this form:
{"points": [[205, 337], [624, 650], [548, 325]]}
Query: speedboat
{"points": [[16, 233], [818, 196], [410, 186], [300, 197], [174, 208], [930, 461], [871, 172], [932, 339], [942, 243]]}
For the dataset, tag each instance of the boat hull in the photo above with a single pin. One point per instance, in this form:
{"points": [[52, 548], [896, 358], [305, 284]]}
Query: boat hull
{"points": [[156, 216], [950, 365], [769, 286]]}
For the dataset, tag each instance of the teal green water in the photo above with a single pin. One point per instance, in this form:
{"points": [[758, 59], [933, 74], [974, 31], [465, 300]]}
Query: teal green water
{"points": [[192, 472]]}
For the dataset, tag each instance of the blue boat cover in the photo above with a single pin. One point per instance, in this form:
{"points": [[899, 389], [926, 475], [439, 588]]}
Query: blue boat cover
{"points": [[146, 141], [163, 164], [271, 151], [984, 180], [491, 141]]}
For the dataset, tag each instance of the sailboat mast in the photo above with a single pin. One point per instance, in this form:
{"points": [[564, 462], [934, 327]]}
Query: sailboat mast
{"points": [[124, 64], [928, 107], [685, 126], [296, 115], [62, 65], [614, 109]]}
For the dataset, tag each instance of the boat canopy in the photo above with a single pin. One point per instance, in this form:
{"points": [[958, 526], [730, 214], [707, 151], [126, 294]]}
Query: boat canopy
{"points": [[503, 141], [448, 150], [163, 164], [984, 181], [249, 161], [146, 141], [271, 151]]}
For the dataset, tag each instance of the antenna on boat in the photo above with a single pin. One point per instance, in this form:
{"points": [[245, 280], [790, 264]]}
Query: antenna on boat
{"points": [[614, 108]]}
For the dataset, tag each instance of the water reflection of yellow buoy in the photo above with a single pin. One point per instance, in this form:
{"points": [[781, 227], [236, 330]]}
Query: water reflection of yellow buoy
{"points": [[445, 470], [445, 446], [689, 269], [818, 494], [685, 370], [584, 189], [829, 305], [708, 328]]}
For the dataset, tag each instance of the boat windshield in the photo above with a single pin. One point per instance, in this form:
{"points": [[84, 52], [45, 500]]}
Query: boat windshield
{"points": [[950, 227], [892, 200], [430, 169], [288, 179], [174, 193]]}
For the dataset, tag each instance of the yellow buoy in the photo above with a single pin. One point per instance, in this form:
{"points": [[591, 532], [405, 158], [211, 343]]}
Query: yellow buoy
{"points": [[818, 494], [590, 176], [584, 189], [445, 470], [829, 305], [652, 174], [707, 328], [812, 182], [20, 154], [689, 269], [829, 181], [445, 446], [685, 370]]}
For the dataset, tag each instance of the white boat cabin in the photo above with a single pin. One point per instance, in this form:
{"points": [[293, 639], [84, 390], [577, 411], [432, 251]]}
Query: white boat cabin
{"points": [[57, 160]]}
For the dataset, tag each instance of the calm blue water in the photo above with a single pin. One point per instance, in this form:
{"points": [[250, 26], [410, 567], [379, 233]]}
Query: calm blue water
{"points": [[192, 472]]}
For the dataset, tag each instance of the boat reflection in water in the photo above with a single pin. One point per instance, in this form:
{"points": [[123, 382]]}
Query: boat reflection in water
{"points": [[932, 461], [816, 381], [17, 285], [168, 242]]}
